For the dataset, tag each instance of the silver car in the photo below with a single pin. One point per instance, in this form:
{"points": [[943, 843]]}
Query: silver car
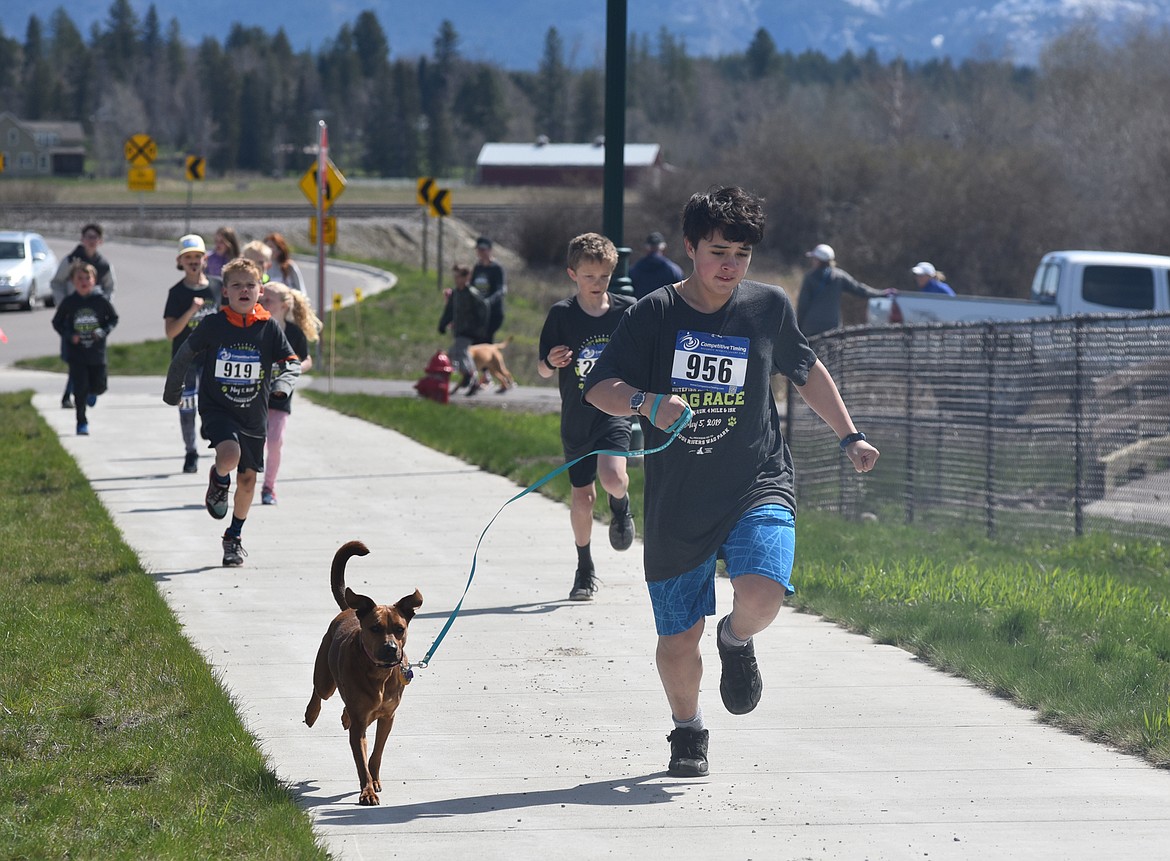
{"points": [[27, 267]]}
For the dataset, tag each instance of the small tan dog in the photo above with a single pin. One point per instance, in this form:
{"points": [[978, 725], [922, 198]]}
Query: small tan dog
{"points": [[363, 656], [490, 358]]}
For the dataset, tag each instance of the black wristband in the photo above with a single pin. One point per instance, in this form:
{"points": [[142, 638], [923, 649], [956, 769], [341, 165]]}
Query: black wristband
{"points": [[549, 364], [848, 440]]}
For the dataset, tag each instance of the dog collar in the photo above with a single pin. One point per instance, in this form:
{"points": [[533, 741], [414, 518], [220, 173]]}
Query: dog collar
{"points": [[407, 672]]}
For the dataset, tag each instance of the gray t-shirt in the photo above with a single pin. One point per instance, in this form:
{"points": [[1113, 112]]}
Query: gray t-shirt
{"points": [[732, 457]]}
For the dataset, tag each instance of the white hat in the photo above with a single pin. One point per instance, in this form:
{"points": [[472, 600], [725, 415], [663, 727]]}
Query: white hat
{"points": [[191, 242], [822, 252], [924, 268]]}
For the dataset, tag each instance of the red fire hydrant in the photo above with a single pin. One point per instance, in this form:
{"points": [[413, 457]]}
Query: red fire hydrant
{"points": [[434, 384]]}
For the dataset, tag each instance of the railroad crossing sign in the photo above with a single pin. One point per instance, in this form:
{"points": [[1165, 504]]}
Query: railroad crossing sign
{"points": [[196, 167], [330, 229], [140, 150], [334, 184], [426, 188], [441, 202], [140, 178]]}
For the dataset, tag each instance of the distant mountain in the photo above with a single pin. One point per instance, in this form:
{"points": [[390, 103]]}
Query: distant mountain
{"points": [[512, 34]]}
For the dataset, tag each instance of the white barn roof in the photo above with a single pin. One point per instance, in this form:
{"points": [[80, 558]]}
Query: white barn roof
{"points": [[562, 155]]}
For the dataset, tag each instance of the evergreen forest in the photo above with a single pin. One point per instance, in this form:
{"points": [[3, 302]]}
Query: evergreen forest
{"points": [[979, 165]]}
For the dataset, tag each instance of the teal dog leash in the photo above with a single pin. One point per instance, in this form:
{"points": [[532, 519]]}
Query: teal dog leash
{"points": [[674, 430]]}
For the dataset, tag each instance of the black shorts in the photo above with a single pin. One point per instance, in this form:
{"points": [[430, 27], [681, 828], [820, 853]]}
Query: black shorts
{"points": [[584, 472], [216, 429]]}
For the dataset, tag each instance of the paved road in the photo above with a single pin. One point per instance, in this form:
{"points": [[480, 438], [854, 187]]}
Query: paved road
{"points": [[145, 271], [539, 729]]}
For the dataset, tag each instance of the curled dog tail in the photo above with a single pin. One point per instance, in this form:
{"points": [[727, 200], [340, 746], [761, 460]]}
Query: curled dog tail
{"points": [[337, 572]]}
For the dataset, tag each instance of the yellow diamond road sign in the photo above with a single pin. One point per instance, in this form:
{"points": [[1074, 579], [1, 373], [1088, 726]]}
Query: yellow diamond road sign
{"points": [[140, 150], [334, 184]]}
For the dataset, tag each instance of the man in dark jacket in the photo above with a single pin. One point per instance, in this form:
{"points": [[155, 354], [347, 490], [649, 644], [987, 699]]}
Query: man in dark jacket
{"points": [[818, 308], [467, 314]]}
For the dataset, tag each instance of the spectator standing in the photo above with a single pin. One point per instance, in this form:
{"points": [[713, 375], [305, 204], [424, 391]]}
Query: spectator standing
{"points": [[724, 487], [466, 312], [62, 284], [818, 308], [227, 247], [655, 269], [487, 276], [194, 297], [84, 320], [930, 280]]}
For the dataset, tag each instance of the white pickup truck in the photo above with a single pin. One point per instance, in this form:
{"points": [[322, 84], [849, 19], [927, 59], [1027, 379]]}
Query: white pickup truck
{"points": [[1065, 283]]}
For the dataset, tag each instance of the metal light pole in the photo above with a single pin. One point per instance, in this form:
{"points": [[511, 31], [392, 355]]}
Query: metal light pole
{"points": [[615, 141]]}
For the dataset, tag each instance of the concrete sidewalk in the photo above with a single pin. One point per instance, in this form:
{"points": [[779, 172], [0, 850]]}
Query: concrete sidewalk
{"points": [[539, 730]]}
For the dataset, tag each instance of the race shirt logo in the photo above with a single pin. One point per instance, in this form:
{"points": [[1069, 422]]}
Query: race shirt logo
{"points": [[205, 310], [85, 323], [238, 371], [709, 372], [587, 356]]}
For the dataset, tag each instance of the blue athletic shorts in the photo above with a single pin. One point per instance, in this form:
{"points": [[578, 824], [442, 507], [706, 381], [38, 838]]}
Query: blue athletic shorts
{"points": [[763, 541]]}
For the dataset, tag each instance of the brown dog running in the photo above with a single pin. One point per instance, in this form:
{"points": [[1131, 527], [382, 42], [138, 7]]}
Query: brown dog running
{"points": [[490, 358], [363, 656]]}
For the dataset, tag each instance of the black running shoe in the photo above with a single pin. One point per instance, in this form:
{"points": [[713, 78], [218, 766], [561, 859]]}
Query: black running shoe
{"points": [[688, 752], [191, 462], [233, 551], [621, 527], [740, 684], [584, 585], [216, 499]]}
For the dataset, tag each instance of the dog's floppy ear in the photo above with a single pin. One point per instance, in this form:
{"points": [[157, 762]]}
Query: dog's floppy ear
{"points": [[360, 604], [406, 606]]}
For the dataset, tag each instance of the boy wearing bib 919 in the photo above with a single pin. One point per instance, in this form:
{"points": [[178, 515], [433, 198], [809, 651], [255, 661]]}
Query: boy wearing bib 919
{"points": [[724, 488], [238, 347]]}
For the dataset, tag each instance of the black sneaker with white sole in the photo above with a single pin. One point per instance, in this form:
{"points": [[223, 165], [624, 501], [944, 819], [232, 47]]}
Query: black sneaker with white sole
{"points": [[740, 684], [584, 585], [233, 551], [688, 752]]}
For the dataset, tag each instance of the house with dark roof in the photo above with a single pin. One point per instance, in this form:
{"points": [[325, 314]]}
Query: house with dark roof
{"points": [[41, 147], [566, 164]]}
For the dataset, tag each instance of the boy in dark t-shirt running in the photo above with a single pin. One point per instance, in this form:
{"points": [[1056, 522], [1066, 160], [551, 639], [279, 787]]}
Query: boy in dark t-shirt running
{"points": [[195, 296], [238, 347], [574, 335], [724, 488]]}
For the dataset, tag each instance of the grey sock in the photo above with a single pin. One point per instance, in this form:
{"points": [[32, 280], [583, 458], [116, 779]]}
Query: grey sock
{"points": [[695, 723]]}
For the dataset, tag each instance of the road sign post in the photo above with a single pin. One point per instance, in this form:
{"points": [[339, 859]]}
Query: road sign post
{"points": [[426, 187], [440, 208]]}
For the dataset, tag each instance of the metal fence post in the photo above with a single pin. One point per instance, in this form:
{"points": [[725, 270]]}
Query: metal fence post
{"points": [[1078, 429], [989, 351]]}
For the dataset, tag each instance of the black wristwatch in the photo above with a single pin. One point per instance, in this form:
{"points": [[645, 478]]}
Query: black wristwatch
{"points": [[636, 401], [849, 439]]}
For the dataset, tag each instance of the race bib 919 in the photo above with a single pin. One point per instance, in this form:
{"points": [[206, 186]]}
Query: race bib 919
{"points": [[711, 362], [237, 366]]}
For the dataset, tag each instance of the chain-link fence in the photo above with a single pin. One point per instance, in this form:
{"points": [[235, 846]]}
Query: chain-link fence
{"points": [[1048, 424]]}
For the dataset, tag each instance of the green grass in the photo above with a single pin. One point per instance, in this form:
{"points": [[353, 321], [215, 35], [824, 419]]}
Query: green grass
{"points": [[115, 740], [1079, 631]]}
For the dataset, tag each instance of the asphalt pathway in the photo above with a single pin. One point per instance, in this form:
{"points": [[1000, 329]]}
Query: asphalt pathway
{"points": [[539, 729]]}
